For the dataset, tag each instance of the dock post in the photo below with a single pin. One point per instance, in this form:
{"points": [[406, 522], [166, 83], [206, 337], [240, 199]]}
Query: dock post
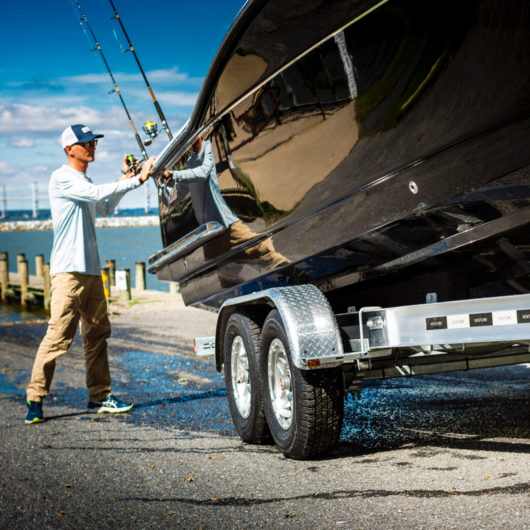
{"points": [[39, 262], [173, 288], [4, 276], [47, 285], [111, 265], [123, 282], [24, 282], [20, 257], [140, 276]]}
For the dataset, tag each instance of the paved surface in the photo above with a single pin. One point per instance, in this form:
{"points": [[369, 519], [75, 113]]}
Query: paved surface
{"points": [[446, 451]]}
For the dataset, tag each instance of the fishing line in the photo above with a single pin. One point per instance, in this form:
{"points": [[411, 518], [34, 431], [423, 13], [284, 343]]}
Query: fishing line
{"points": [[115, 85], [150, 128], [116, 111]]}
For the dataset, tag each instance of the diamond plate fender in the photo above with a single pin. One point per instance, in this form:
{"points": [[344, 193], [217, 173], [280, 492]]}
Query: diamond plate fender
{"points": [[309, 322]]}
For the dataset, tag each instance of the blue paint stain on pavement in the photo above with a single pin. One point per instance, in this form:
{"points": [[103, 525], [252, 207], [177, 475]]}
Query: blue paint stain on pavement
{"points": [[172, 391], [167, 392], [11, 385]]}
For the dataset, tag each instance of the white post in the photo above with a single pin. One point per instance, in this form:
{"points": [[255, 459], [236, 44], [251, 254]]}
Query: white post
{"points": [[4, 201], [35, 200], [147, 198], [123, 282]]}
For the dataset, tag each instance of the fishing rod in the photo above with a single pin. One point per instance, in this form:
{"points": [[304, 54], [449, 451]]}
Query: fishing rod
{"points": [[116, 88], [150, 128]]}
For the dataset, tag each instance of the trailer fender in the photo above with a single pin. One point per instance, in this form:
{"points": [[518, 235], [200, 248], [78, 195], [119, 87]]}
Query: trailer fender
{"points": [[310, 324]]}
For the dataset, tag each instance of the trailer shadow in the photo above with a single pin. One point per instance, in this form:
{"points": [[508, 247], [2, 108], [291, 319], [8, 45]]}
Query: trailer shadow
{"points": [[467, 410], [474, 409]]}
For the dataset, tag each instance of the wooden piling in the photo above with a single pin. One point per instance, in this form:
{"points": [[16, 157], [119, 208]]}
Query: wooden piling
{"points": [[123, 282], [4, 277], [37, 287], [110, 264], [24, 283], [39, 262], [20, 257], [47, 286], [139, 270]]}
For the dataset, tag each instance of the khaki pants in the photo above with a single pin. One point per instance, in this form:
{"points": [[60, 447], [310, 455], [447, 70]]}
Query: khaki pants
{"points": [[263, 253], [74, 297]]}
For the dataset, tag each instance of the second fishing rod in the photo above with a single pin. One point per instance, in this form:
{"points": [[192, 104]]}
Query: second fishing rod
{"points": [[155, 102], [116, 88]]}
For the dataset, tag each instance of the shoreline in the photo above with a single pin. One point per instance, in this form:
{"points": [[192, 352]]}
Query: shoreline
{"points": [[101, 222]]}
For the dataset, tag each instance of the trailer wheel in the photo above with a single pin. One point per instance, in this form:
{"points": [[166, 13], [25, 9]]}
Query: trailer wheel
{"points": [[304, 408], [243, 377]]}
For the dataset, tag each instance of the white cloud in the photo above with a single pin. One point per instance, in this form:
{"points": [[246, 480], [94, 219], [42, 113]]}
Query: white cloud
{"points": [[6, 169], [22, 142], [55, 100], [171, 75], [27, 119], [179, 98], [89, 79]]}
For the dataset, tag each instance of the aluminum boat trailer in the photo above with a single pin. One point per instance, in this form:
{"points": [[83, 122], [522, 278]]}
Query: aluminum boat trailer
{"points": [[288, 359]]}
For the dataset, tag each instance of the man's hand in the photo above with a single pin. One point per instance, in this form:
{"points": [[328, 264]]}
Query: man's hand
{"points": [[147, 170], [165, 176]]}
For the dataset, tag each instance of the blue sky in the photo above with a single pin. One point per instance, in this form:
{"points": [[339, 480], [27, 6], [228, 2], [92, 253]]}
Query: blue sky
{"points": [[50, 78]]}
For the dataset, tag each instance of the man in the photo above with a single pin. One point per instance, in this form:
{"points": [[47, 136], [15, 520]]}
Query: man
{"points": [[200, 180], [77, 289]]}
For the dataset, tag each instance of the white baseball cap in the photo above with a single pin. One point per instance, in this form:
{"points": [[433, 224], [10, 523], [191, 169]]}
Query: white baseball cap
{"points": [[76, 134]]}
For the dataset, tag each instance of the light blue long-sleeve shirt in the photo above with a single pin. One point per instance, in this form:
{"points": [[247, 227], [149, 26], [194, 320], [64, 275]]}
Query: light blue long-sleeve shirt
{"points": [[200, 179], [74, 202]]}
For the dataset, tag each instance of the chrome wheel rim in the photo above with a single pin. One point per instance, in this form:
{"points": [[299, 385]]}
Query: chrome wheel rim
{"points": [[279, 376], [240, 377]]}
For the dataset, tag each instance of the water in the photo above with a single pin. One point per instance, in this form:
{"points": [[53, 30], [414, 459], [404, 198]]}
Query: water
{"points": [[125, 245], [44, 214], [14, 313]]}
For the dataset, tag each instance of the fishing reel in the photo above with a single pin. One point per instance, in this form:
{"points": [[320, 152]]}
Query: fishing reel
{"points": [[132, 164], [151, 129]]}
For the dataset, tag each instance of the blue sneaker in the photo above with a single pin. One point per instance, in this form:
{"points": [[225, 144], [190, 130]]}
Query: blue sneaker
{"points": [[34, 414], [110, 404]]}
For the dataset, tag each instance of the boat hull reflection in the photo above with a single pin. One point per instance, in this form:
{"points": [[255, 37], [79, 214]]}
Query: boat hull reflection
{"points": [[381, 162]]}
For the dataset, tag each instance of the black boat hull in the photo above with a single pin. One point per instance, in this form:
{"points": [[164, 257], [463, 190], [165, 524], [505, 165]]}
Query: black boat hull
{"points": [[381, 162]]}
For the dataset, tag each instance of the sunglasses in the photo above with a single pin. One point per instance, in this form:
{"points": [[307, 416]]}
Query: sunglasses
{"points": [[87, 145]]}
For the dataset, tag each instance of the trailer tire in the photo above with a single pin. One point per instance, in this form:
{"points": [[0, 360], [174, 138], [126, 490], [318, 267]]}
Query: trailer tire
{"points": [[243, 377], [304, 408]]}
